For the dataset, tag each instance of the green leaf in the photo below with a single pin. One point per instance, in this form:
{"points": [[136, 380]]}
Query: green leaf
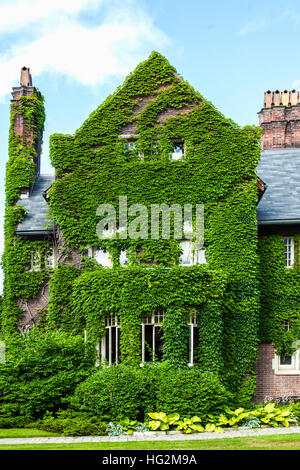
{"points": [[154, 425], [210, 427], [269, 407]]}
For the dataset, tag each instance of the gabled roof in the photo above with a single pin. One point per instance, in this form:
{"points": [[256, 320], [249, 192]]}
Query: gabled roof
{"points": [[280, 171], [35, 220]]}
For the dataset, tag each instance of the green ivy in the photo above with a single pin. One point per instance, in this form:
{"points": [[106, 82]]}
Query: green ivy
{"points": [[94, 167], [280, 294], [20, 282]]}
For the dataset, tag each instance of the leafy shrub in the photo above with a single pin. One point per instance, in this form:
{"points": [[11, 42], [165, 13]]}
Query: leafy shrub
{"points": [[296, 410], [71, 424], [117, 391], [42, 372], [190, 392], [14, 422]]}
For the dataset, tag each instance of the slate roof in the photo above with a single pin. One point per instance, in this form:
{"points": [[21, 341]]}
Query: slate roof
{"points": [[35, 219], [280, 171]]}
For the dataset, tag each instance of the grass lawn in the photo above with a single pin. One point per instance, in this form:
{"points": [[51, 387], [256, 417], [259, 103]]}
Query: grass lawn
{"points": [[275, 442], [21, 432]]}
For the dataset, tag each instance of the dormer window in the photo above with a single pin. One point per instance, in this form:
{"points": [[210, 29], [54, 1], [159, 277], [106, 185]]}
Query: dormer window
{"points": [[178, 151], [289, 251]]}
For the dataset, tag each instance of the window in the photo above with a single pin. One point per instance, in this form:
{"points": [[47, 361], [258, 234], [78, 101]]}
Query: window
{"points": [[41, 258], [36, 261], [186, 257], [101, 255], [24, 194], [177, 152], [123, 258], [189, 256], [286, 364], [130, 150], [285, 360], [110, 343], [289, 251], [49, 258], [152, 337], [193, 339]]}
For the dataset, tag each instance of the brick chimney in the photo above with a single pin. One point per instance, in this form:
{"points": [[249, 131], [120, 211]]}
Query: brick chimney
{"points": [[26, 135], [280, 120]]}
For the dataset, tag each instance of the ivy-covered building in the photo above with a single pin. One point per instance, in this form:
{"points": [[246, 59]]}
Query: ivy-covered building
{"points": [[231, 307]]}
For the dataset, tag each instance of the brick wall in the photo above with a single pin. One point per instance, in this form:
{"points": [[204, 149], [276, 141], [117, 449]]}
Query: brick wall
{"points": [[268, 384], [280, 120]]}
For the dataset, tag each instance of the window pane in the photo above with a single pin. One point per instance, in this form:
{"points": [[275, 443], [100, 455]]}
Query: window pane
{"points": [[107, 344], [119, 345], [158, 343], [148, 343], [288, 251], [186, 256], [285, 360], [200, 257], [113, 344], [177, 152], [103, 257], [196, 343], [123, 258]]}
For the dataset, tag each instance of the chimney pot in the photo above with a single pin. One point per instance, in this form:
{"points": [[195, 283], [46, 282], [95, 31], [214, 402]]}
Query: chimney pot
{"points": [[25, 77], [280, 119]]}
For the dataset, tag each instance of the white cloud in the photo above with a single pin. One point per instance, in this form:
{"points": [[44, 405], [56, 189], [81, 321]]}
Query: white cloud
{"points": [[15, 14], [252, 27], [62, 44]]}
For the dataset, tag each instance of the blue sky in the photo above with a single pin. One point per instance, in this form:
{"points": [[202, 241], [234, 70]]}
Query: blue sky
{"points": [[79, 51]]}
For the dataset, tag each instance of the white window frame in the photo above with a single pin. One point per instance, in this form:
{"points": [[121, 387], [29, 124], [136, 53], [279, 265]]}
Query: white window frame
{"points": [[110, 323], [192, 323], [288, 369], [289, 261], [150, 320]]}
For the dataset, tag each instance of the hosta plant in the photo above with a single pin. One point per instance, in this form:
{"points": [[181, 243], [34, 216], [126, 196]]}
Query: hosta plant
{"points": [[162, 421], [275, 416], [189, 425]]}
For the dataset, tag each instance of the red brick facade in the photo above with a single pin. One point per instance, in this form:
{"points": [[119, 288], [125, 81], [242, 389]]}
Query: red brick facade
{"points": [[280, 120], [270, 384]]}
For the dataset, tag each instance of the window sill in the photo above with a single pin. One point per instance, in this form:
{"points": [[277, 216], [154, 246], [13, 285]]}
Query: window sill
{"points": [[287, 372]]}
